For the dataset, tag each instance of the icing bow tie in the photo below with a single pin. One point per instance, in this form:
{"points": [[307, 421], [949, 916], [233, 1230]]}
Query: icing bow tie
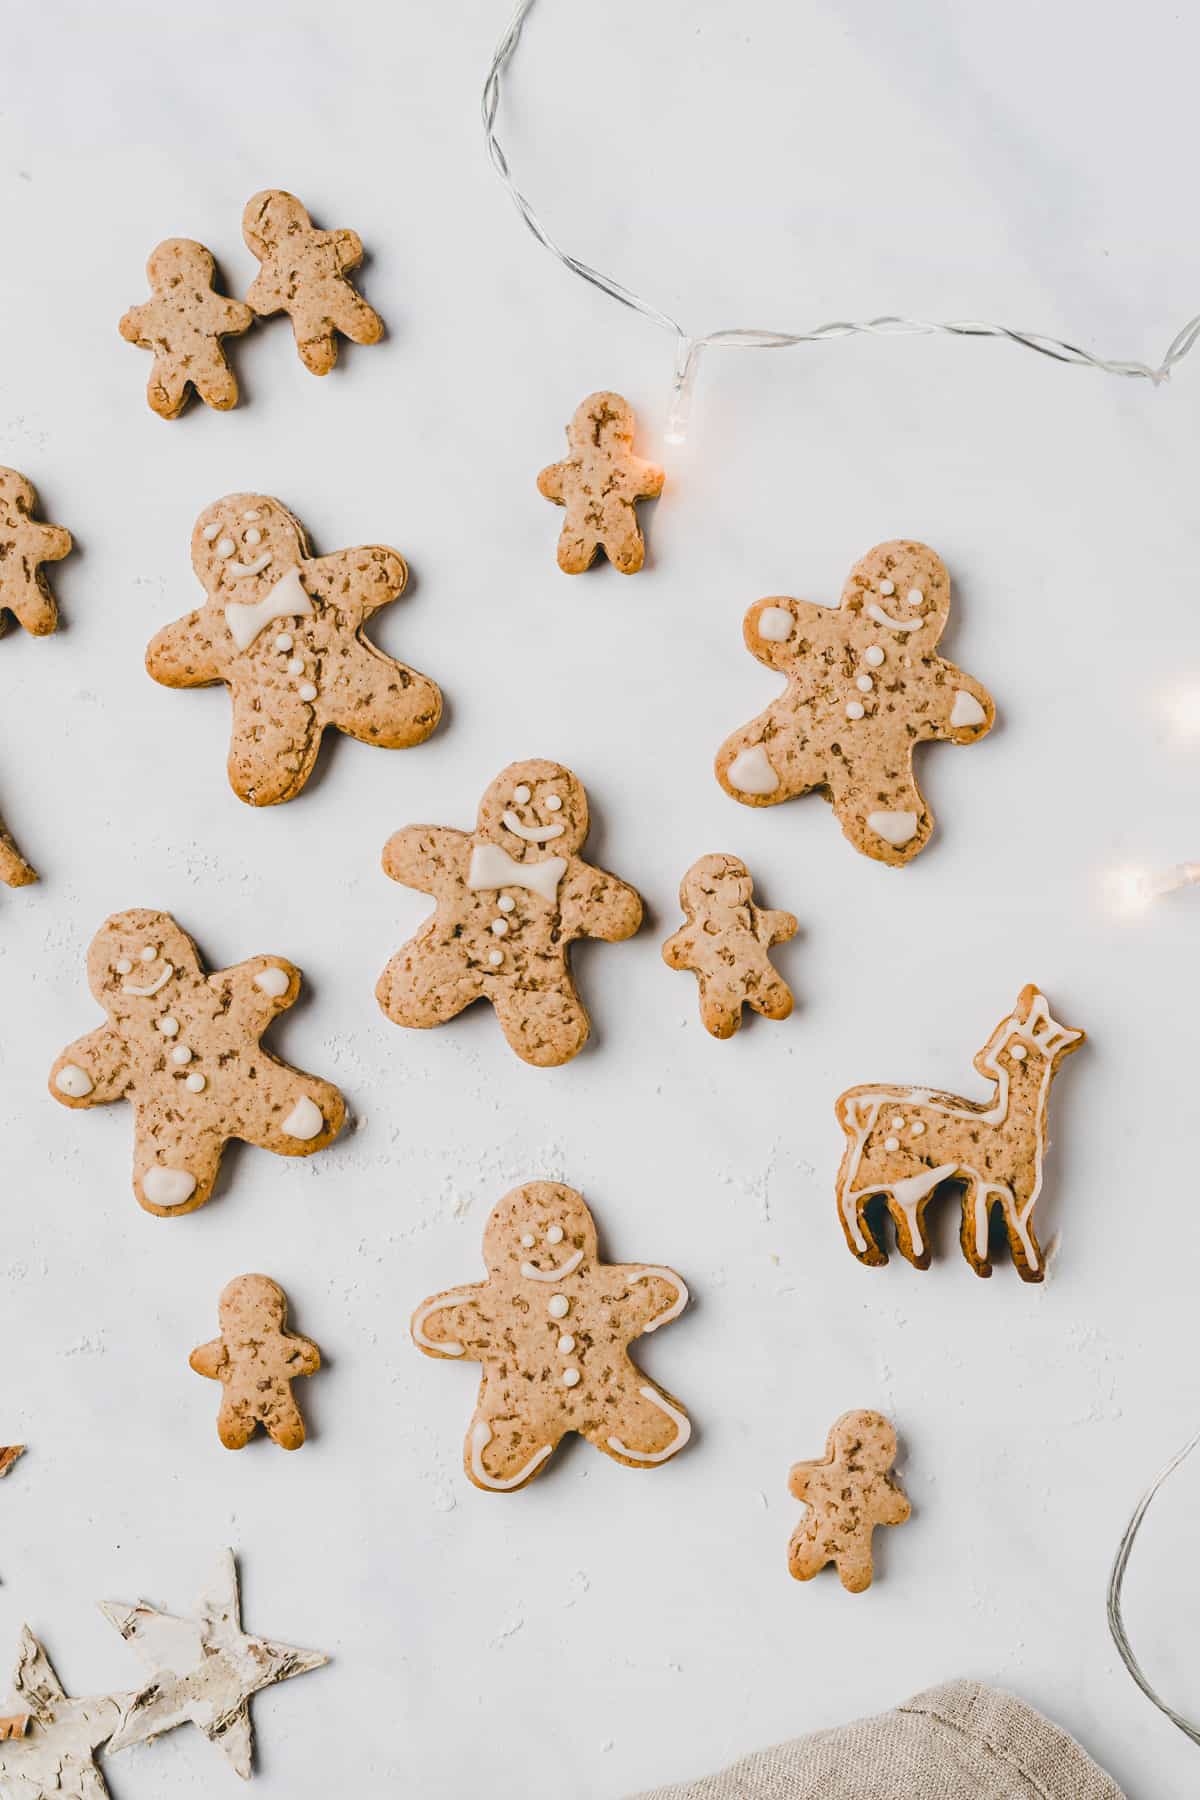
{"points": [[286, 600], [492, 867]]}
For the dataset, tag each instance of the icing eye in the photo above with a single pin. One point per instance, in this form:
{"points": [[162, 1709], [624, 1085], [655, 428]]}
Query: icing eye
{"points": [[1018, 1052], [915, 597], [553, 803], [253, 536], [148, 953], [554, 1235], [210, 532], [521, 794], [887, 587], [226, 547], [528, 1241], [124, 967]]}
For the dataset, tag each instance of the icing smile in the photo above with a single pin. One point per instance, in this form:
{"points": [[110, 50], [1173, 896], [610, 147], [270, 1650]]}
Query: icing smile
{"points": [[144, 993], [881, 618], [532, 834], [254, 568], [568, 1268]]}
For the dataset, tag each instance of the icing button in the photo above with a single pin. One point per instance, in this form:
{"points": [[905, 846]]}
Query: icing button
{"points": [[570, 1377], [854, 709], [873, 654], [891, 1143], [559, 1306]]}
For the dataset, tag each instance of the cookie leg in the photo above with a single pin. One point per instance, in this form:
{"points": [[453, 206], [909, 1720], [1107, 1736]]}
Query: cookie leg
{"points": [[35, 607], [889, 821], [622, 539], [1026, 1252], [807, 1550], [318, 353], [720, 1005], [502, 1450], [289, 1112], [355, 319], [760, 765], [545, 1028], [285, 1422], [14, 870], [173, 1174], [642, 1425], [576, 549], [416, 990], [383, 702], [167, 390], [237, 1421], [216, 383], [272, 753], [772, 997]]}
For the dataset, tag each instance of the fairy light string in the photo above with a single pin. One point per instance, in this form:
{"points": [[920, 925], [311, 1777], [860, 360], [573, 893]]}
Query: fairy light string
{"points": [[1116, 1622], [689, 346]]}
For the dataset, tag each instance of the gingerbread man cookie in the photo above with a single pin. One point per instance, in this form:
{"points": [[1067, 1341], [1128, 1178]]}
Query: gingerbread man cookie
{"points": [[285, 632], [864, 688], [600, 483], [725, 942], [256, 1358], [904, 1143], [512, 897], [551, 1326], [184, 1048], [848, 1493], [304, 275], [183, 323], [14, 870], [25, 544]]}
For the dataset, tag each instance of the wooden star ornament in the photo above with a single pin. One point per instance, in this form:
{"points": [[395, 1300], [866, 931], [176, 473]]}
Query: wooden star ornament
{"points": [[48, 1747]]}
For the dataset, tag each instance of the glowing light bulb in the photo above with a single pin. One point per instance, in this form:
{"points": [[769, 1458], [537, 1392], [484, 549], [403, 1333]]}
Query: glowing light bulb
{"points": [[1132, 890], [1181, 708], [687, 361]]}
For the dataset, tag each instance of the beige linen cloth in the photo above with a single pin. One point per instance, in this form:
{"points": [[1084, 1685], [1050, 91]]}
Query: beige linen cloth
{"points": [[956, 1742]]}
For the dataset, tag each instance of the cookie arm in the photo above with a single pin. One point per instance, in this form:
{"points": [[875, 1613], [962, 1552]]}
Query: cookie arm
{"points": [[550, 483], [775, 927], [101, 1061], [891, 1506], [184, 653], [650, 479], [963, 710], [54, 543], [679, 951], [257, 990], [654, 1296], [348, 247], [429, 858], [209, 1359], [357, 582], [599, 905], [452, 1324], [799, 1476], [306, 1358]]}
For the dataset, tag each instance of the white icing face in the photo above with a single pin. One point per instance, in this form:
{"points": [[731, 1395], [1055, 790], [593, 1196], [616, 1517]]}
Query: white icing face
{"points": [[531, 805], [546, 1266], [152, 977], [532, 834]]}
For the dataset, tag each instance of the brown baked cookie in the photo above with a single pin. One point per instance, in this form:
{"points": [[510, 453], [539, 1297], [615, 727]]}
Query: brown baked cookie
{"points": [[864, 688], [183, 323], [304, 275], [14, 870], [904, 1143], [512, 897], [725, 943], [256, 1358], [25, 544], [600, 483], [183, 1047], [9, 1454], [550, 1326], [848, 1493], [285, 632]]}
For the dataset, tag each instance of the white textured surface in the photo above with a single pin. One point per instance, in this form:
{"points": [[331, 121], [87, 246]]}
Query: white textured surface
{"points": [[755, 164]]}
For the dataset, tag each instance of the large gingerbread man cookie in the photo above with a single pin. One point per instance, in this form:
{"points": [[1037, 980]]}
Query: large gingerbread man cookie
{"points": [[599, 484], [512, 897], [905, 1143], [25, 544], [551, 1326], [304, 275], [865, 686], [284, 631], [183, 1047], [183, 323], [849, 1492]]}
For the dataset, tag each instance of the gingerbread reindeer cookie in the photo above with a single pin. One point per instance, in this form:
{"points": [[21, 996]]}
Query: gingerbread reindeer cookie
{"points": [[725, 942], [848, 1493], [599, 484], [256, 1359], [25, 544], [183, 323], [183, 1047], [304, 274], [551, 1326], [14, 870], [512, 897], [865, 686], [285, 632], [904, 1143]]}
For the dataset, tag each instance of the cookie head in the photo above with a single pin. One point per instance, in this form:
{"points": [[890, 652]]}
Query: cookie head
{"points": [[722, 881], [865, 1439], [901, 592], [248, 1304], [178, 260], [268, 219], [602, 422], [1028, 1039], [243, 545], [17, 497], [535, 806], [135, 961], [539, 1233]]}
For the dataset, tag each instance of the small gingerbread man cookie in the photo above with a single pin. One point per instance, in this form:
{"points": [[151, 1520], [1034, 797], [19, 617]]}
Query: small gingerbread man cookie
{"points": [[304, 275], [600, 483], [512, 897], [183, 323], [284, 631], [14, 870], [256, 1358], [848, 1493], [904, 1143], [25, 544], [725, 941], [183, 1047], [865, 686], [551, 1326]]}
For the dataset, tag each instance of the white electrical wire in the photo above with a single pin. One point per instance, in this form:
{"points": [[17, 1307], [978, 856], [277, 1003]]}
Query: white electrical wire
{"points": [[688, 347], [1116, 1623]]}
